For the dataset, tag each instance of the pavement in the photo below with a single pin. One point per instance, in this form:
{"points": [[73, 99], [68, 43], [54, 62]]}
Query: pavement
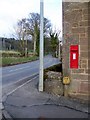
{"points": [[28, 102], [0, 114]]}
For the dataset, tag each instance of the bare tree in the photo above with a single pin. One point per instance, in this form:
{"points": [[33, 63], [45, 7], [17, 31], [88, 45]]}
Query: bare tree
{"points": [[31, 26], [20, 34], [34, 27]]}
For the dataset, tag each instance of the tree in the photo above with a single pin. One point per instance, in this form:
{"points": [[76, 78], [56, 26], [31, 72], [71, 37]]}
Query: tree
{"points": [[34, 27], [21, 35], [54, 36], [31, 26]]}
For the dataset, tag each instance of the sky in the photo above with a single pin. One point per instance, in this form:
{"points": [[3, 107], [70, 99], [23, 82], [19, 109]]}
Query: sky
{"points": [[13, 10]]}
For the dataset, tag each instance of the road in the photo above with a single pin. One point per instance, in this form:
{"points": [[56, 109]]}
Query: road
{"points": [[13, 76], [21, 94], [28, 102]]}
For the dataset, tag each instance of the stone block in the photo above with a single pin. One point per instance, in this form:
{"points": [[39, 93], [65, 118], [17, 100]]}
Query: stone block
{"points": [[75, 24], [84, 48], [82, 35], [83, 41], [53, 83], [82, 97], [77, 71], [79, 30], [85, 11], [84, 66], [84, 87], [75, 5], [87, 71], [89, 61], [84, 61], [83, 23], [75, 30], [85, 17], [84, 55], [75, 36], [74, 86], [54, 86], [79, 77], [88, 58], [54, 75], [89, 78]]}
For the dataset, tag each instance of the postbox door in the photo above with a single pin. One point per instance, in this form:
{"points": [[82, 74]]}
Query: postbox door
{"points": [[74, 57]]}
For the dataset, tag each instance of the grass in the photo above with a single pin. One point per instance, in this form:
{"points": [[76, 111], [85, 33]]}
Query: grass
{"points": [[8, 58], [6, 61], [10, 53]]}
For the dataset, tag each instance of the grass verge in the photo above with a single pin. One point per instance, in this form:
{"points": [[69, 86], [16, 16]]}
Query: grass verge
{"points": [[7, 61]]}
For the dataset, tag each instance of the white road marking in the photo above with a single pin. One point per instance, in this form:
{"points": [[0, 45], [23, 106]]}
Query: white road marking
{"points": [[20, 86], [22, 69], [21, 79], [18, 72], [19, 68]]}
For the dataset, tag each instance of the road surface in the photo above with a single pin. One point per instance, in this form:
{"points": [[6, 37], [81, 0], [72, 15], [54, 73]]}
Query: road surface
{"points": [[13, 76], [28, 102]]}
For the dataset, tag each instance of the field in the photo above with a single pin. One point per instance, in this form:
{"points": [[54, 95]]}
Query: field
{"points": [[13, 57]]}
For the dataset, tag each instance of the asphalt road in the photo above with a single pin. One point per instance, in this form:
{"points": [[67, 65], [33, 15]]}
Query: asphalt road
{"points": [[12, 75], [28, 102]]}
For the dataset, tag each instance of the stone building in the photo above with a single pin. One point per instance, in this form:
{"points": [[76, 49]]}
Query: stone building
{"points": [[76, 31]]}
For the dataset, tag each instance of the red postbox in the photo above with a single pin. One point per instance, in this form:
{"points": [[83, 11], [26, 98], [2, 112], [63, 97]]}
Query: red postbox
{"points": [[74, 56]]}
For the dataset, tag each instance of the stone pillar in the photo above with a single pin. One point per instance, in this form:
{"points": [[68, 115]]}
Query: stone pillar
{"points": [[75, 31]]}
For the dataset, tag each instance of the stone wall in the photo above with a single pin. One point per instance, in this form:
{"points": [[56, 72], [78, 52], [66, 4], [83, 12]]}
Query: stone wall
{"points": [[75, 32], [53, 83]]}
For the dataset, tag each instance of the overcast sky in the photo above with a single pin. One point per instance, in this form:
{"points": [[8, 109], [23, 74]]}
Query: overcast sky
{"points": [[13, 10]]}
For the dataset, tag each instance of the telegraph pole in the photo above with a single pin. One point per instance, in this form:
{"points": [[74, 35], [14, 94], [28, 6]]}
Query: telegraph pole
{"points": [[26, 48], [41, 47], [59, 51]]}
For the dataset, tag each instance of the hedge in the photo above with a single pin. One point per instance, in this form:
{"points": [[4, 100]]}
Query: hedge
{"points": [[10, 54]]}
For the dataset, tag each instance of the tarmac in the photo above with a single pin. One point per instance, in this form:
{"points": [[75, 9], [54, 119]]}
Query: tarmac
{"points": [[28, 102]]}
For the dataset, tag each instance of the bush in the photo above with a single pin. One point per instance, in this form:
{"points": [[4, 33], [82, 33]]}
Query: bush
{"points": [[56, 68], [10, 54]]}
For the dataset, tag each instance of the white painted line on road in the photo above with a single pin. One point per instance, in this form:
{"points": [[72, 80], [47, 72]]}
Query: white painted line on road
{"points": [[18, 72], [26, 77], [36, 66], [23, 70], [20, 86], [22, 79], [28, 67], [19, 69]]}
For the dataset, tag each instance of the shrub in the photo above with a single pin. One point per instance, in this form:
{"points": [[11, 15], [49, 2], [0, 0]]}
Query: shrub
{"points": [[10, 54]]}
